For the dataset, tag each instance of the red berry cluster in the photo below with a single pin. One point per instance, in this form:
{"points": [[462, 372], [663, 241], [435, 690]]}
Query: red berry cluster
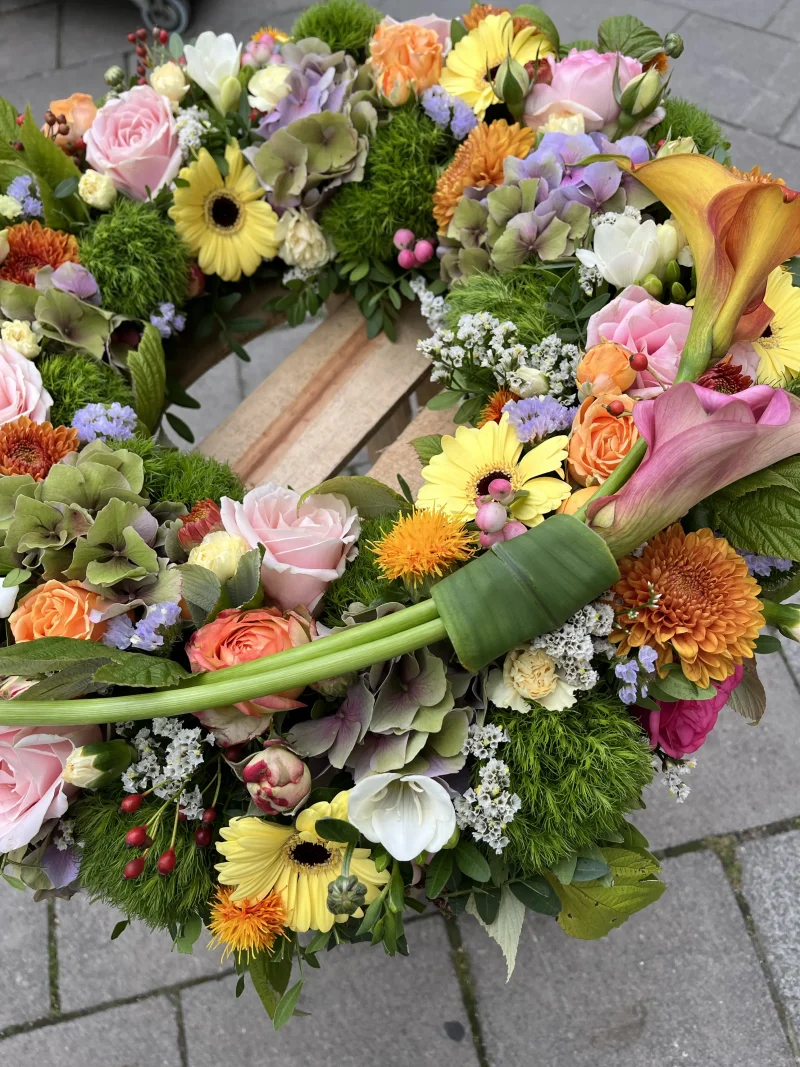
{"points": [[138, 837], [145, 55]]}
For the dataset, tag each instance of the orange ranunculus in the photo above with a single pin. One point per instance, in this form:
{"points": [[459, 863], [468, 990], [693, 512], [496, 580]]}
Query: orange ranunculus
{"points": [[599, 440], [577, 500], [605, 368], [237, 636], [56, 609], [79, 110], [406, 58]]}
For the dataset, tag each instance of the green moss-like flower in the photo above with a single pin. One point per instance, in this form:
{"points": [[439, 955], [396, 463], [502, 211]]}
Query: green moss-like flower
{"points": [[342, 24], [137, 258], [519, 296], [577, 773], [362, 582], [403, 165], [182, 477], [685, 119], [75, 380]]}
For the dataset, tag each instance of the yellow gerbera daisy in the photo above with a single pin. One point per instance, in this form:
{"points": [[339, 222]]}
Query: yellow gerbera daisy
{"points": [[263, 858], [473, 62], [469, 461], [225, 221], [779, 347]]}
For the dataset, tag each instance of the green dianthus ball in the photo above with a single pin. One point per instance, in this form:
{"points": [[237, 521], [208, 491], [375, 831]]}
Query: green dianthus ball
{"points": [[75, 380], [137, 258], [403, 165], [362, 579], [577, 773], [182, 477], [344, 25], [685, 119], [519, 296]]}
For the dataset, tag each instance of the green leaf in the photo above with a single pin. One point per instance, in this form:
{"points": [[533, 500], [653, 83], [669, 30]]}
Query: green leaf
{"points": [[258, 967], [66, 188], [541, 19], [471, 862], [149, 377], [201, 589], [16, 577], [140, 671], [589, 870], [537, 894], [766, 644], [246, 583], [676, 686], [337, 830], [361, 271], [286, 1005], [507, 926], [69, 683], [469, 411], [628, 35], [120, 928], [49, 654], [761, 513], [396, 898], [565, 868], [51, 167], [180, 427], [319, 941], [371, 497], [439, 870], [749, 698], [8, 121], [192, 929], [487, 904], [371, 915], [457, 31], [448, 398], [175, 45]]}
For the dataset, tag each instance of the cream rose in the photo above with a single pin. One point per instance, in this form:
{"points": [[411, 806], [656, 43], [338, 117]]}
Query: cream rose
{"points": [[219, 552], [19, 335], [529, 674], [268, 86], [303, 242], [4, 245], [169, 80]]}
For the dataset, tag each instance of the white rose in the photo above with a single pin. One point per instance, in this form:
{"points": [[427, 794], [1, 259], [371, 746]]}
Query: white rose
{"points": [[268, 86], [529, 674], [97, 190], [219, 552], [212, 61], [19, 335], [566, 122], [4, 246], [304, 243], [528, 382], [170, 81], [625, 251]]}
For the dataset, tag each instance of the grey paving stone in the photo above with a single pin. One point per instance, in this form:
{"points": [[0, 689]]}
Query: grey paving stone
{"points": [[361, 1002], [23, 937], [94, 969], [135, 1035], [770, 874], [744, 12], [39, 89], [90, 29], [28, 41], [787, 21], [739, 75], [749, 149], [678, 985], [745, 776]]}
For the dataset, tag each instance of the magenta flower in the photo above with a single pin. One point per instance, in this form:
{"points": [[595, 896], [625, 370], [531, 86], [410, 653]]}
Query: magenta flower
{"points": [[681, 727], [698, 441]]}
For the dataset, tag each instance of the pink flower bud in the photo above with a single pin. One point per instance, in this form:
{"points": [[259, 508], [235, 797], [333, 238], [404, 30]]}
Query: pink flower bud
{"points": [[489, 539], [423, 250], [407, 259], [514, 529], [277, 779], [502, 490], [403, 239], [491, 518]]}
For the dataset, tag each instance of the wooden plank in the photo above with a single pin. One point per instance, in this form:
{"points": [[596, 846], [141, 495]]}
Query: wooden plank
{"points": [[401, 457], [323, 403]]}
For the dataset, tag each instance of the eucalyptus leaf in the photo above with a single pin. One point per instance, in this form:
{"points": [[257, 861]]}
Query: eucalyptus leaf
{"points": [[286, 1005], [536, 893]]}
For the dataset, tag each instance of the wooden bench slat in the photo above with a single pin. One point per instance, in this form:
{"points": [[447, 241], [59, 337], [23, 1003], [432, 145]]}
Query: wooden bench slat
{"points": [[401, 457]]}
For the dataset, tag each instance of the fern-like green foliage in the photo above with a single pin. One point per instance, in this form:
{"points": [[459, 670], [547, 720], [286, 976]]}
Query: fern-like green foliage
{"points": [[577, 773], [402, 168], [519, 296], [75, 380], [183, 477], [362, 580], [159, 902], [137, 258], [685, 119], [345, 25]]}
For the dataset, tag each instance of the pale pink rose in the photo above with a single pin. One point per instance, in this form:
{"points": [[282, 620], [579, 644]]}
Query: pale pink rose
{"points": [[307, 545], [31, 790], [21, 388], [640, 323], [583, 84], [133, 139], [440, 26]]}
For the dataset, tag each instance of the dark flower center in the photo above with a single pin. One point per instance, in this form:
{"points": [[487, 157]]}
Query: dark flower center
{"points": [[483, 485], [224, 212], [310, 854]]}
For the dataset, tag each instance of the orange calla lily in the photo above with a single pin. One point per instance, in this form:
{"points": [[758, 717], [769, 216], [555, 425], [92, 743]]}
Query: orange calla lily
{"points": [[738, 232]]}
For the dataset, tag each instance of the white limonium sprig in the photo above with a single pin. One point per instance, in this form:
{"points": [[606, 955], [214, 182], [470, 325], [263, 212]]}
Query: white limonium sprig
{"points": [[674, 771], [192, 124], [582, 638], [169, 754], [483, 741], [490, 806]]}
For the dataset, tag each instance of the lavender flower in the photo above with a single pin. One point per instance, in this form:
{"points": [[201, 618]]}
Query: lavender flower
{"points": [[121, 633], [118, 632], [648, 657], [628, 694], [628, 671], [116, 421], [168, 321], [25, 189], [537, 417], [446, 110], [762, 566], [464, 119]]}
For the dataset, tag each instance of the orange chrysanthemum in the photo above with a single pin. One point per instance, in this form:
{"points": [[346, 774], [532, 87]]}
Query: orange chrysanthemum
{"points": [[479, 162], [33, 447], [689, 596], [243, 927], [478, 12], [32, 246], [756, 175], [423, 545], [493, 409]]}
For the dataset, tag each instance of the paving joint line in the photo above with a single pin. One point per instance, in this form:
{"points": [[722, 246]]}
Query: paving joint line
{"points": [[466, 983], [741, 26], [709, 842], [183, 1049], [780, 11], [52, 959]]}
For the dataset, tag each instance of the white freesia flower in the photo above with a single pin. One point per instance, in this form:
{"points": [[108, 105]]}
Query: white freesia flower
{"points": [[407, 814], [625, 250], [8, 599], [672, 245], [211, 61]]}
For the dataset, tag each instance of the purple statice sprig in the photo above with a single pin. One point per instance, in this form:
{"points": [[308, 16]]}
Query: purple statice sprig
{"points": [[537, 417], [105, 421], [630, 672], [145, 635], [448, 111], [167, 320], [25, 189], [763, 566]]}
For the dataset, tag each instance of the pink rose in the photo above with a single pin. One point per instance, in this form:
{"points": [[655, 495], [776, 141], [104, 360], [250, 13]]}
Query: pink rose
{"points": [[133, 139], [440, 26], [640, 323], [583, 84], [31, 790], [21, 389], [682, 727], [307, 545]]}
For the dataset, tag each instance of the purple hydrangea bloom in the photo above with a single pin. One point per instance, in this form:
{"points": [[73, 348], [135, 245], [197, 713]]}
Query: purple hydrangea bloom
{"points": [[74, 279], [25, 189], [318, 82], [116, 421], [167, 321], [537, 417], [762, 566]]}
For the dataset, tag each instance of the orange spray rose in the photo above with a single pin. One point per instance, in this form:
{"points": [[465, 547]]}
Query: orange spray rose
{"points": [[600, 438], [56, 609]]}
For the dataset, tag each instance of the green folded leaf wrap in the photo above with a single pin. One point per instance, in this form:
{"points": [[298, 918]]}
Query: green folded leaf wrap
{"points": [[522, 588]]}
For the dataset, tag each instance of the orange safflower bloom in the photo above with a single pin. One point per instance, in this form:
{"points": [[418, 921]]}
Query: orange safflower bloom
{"points": [[492, 411]]}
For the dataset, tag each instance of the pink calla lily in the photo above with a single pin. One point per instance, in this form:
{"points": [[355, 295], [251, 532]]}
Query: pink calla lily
{"points": [[698, 441]]}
